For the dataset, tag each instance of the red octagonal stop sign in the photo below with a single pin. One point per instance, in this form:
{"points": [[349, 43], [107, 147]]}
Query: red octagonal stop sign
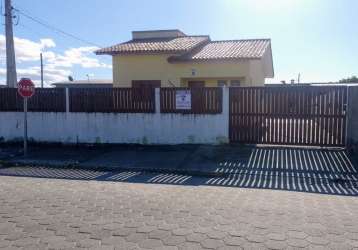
{"points": [[26, 88]]}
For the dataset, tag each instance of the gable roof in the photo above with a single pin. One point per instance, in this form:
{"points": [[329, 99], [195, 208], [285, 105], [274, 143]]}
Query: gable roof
{"points": [[155, 45], [226, 50], [186, 48]]}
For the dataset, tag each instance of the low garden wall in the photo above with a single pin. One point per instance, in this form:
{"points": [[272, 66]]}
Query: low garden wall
{"points": [[150, 127], [148, 116]]}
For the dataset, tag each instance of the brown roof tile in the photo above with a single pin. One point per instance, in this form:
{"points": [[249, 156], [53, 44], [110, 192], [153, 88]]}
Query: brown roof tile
{"points": [[156, 45], [227, 50]]}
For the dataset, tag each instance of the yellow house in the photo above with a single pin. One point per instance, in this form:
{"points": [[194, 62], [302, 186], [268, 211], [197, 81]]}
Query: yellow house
{"points": [[170, 58]]}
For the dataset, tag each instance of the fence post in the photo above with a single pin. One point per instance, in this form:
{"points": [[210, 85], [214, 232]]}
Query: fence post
{"points": [[157, 100], [225, 109], [67, 101], [352, 116], [226, 100]]}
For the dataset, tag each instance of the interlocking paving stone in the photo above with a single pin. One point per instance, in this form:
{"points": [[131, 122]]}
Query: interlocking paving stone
{"points": [[181, 231], [196, 237], [353, 243], [216, 234], [113, 240], [230, 248], [53, 239], [297, 243], [276, 236], [212, 243], [123, 231], [87, 243], [151, 244], [274, 244], [189, 246], [254, 246], [14, 236], [136, 237], [316, 240], [25, 242], [102, 248], [145, 229], [159, 234], [64, 214], [255, 238], [4, 243], [339, 246], [60, 245], [76, 237], [238, 233], [352, 236], [296, 234], [174, 240], [234, 241]]}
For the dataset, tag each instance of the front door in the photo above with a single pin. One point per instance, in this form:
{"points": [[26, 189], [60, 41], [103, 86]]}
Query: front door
{"points": [[146, 83], [196, 84]]}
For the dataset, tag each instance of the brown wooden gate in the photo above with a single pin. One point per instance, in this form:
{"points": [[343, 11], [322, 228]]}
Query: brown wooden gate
{"points": [[295, 115]]}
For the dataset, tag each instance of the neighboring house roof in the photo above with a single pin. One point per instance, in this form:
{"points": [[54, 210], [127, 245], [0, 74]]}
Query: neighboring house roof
{"points": [[83, 83], [227, 50], [156, 45], [335, 83]]}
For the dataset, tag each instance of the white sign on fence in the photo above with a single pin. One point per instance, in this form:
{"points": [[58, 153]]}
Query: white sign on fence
{"points": [[183, 99]]}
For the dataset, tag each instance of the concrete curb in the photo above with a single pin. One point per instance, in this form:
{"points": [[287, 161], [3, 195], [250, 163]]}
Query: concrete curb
{"points": [[196, 173]]}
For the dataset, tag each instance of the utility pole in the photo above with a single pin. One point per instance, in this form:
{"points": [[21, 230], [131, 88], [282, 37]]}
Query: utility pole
{"points": [[42, 71], [11, 77]]}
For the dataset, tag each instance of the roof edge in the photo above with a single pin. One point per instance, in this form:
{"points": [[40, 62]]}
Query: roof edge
{"points": [[102, 52], [241, 40], [174, 60], [160, 30]]}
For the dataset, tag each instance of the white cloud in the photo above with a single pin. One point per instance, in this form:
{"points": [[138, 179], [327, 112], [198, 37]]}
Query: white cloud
{"points": [[50, 74], [77, 56], [47, 42], [57, 65], [27, 50]]}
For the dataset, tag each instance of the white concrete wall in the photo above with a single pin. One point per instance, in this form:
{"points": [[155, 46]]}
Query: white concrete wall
{"points": [[154, 128]]}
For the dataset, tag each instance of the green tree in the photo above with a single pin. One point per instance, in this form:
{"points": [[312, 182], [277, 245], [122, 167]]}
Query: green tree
{"points": [[349, 79]]}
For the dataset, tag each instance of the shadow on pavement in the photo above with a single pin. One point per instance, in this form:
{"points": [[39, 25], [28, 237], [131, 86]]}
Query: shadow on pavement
{"points": [[324, 171]]}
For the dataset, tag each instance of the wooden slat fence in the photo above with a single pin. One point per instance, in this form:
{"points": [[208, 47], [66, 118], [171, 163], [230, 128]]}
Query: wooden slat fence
{"points": [[296, 115], [203, 100], [114, 100], [45, 100]]}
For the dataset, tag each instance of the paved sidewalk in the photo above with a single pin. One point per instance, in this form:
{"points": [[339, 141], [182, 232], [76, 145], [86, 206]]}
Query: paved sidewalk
{"points": [[201, 159], [70, 214], [250, 180], [328, 171]]}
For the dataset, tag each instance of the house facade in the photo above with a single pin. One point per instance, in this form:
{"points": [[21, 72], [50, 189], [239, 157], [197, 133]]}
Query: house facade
{"points": [[170, 58]]}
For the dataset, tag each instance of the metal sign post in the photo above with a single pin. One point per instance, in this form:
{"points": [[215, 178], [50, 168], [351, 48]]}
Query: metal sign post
{"points": [[25, 126], [26, 89]]}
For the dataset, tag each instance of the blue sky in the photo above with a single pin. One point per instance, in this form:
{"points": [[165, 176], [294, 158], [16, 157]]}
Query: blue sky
{"points": [[317, 38]]}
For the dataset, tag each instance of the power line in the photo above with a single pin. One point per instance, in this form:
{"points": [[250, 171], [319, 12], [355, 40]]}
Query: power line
{"points": [[51, 27], [27, 28], [40, 34]]}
